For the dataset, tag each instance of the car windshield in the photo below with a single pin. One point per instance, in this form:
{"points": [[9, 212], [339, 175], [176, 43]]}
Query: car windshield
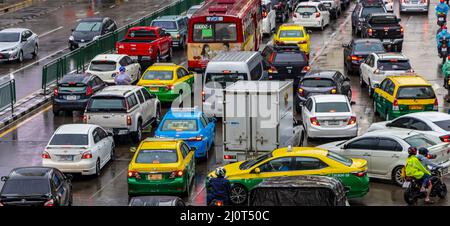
{"points": [[222, 80], [306, 10], [157, 156], [291, 34], [192, 10], [167, 25], [416, 92], [158, 75], [290, 57], [331, 107], [27, 187], [179, 125], [394, 65], [339, 158], [214, 32], [371, 10], [317, 82], [250, 163], [102, 65], [89, 26], [367, 48], [384, 20], [444, 124], [419, 141], [9, 37], [107, 104], [69, 139]]}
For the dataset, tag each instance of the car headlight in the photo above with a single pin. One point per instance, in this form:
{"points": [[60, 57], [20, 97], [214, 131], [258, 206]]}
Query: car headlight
{"points": [[96, 37], [14, 49], [71, 38]]}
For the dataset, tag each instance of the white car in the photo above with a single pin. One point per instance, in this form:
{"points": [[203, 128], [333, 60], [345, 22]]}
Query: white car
{"points": [[333, 6], [269, 18], [389, 5], [386, 151], [329, 116], [79, 148], [106, 67], [16, 43], [377, 66], [311, 14], [429, 122], [192, 10]]}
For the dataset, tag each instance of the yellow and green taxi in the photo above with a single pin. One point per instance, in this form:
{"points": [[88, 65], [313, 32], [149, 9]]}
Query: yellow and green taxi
{"points": [[295, 161], [289, 34], [400, 95], [167, 81], [161, 166]]}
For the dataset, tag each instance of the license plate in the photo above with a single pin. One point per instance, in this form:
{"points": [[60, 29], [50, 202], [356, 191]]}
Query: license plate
{"points": [[441, 19], [146, 58], [415, 107], [154, 177], [445, 171], [66, 157], [406, 184], [333, 123], [154, 89], [305, 16], [444, 49], [71, 97], [289, 71]]}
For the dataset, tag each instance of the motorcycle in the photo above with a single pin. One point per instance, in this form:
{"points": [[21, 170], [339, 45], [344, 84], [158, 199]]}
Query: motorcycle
{"points": [[441, 19], [443, 50], [412, 187]]}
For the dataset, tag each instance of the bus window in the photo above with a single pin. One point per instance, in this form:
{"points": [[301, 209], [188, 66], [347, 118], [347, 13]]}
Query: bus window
{"points": [[218, 32]]}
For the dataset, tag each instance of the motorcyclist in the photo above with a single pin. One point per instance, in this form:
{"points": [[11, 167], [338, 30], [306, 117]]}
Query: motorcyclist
{"points": [[444, 34], [218, 188], [415, 169], [424, 159], [446, 72], [122, 78], [441, 7]]}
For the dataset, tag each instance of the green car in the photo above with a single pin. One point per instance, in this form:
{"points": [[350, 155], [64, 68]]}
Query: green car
{"points": [[176, 26]]}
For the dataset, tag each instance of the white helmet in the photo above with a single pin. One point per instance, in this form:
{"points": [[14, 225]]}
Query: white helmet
{"points": [[220, 172]]}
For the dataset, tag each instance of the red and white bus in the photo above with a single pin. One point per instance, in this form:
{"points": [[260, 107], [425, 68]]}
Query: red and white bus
{"points": [[223, 25]]}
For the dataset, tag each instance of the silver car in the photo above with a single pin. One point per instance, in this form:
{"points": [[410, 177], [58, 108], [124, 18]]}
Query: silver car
{"points": [[414, 5], [15, 43]]}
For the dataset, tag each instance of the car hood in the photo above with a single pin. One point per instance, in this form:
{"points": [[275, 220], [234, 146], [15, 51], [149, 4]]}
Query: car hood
{"points": [[85, 35], [8, 45]]}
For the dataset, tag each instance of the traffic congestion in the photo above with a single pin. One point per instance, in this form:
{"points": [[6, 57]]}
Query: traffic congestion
{"points": [[241, 102]]}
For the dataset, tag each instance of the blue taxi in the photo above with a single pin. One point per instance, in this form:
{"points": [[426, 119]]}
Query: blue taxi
{"points": [[190, 125]]}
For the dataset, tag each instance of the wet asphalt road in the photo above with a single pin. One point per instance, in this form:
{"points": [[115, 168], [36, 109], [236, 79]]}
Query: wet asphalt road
{"points": [[22, 144]]}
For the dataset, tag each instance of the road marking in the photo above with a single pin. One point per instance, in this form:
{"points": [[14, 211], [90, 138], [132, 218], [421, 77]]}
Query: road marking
{"points": [[78, 20], [96, 13], [198, 193], [51, 31], [103, 187], [112, 6], [15, 127]]}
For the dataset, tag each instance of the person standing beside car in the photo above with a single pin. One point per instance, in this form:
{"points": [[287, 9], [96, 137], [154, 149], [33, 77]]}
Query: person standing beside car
{"points": [[122, 78]]}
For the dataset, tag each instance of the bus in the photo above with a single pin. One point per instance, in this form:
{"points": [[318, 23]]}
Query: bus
{"points": [[223, 25]]}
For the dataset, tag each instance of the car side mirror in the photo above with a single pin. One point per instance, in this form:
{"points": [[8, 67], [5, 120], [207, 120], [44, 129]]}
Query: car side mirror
{"points": [[4, 178], [167, 34], [352, 102], [388, 124], [132, 149], [212, 119], [344, 146], [257, 170], [72, 29], [193, 149]]}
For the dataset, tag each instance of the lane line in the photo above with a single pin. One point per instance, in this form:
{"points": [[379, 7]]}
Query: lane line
{"points": [[49, 32], [96, 13], [15, 127], [103, 187], [112, 6]]}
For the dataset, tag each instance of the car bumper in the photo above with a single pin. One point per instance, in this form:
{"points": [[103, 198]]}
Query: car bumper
{"points": [[332, 132], [165, 96], [70, 105], [308, 23], [201, 148], [145, 187], [413, 8], [75, 44], [396, 114], [9, 56], [85, 167], [359, 186]]}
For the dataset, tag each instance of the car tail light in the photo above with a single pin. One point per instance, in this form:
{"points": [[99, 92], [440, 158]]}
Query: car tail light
{"points": [[272, 70], [445, 138], [377, 71], [356, 58], [317, 14], [203, 96], [306, 69], [86, 155], [133, 174], [435, 105], [85, 118], [333, 91], [170, 87], [301, 92], [359, 174], [352, 120], [178, 36], [302, 42], [229, 157], [264, 14], [402, 30], [395, 105], [121, 47], [45, 155], [129, 120], [278, 43], [50, 202], [89, 91], [150, 50], [178, 173], [198, 138], [314, 121], [271, 57], [370, 32], [55, 92]]}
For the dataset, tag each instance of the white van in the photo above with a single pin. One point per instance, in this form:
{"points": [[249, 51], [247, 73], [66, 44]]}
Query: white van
{"points": [[224, 70]]}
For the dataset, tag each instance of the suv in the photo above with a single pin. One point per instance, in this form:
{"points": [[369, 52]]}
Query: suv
{"points": [[386, 27], [176, 26], [333, 6], [285, 62], [123, 110], [362, 10]]}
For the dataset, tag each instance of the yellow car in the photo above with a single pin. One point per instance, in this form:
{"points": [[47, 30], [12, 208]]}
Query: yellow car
{"points": [[161, 166], [167, 81], [289, 34], [296, 161]]}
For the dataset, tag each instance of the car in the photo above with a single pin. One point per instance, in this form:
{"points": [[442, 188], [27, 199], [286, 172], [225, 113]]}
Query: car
{"points": [[161, 166], [192, 126], [400, 95], [73, 91], [176, 26], [15, 43], [378, 65], [318, 82], [293, 34], [311, 14], [36, 186], [333, 6], [386, 27], [362, 10], [389, 5], [329, 116], [90, 29], [281, 8], [106, 67], [357, 50], [295, 161], [429, 122], [192, 10], [156, 201], [167, 81], [386, 151], [285, 62], [123, 110], [414, 6], [79, 148], [269, 22]]}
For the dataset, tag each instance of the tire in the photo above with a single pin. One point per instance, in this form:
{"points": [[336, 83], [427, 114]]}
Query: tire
{"points": [[97, 168], [138, 134], [396, 176], [370, 89], [238, 194], [35, 51], [157, 117], [408, 198], [322, 27], [349, 95], [362, 84], [187, 192], [443, 191], [20, 58]]}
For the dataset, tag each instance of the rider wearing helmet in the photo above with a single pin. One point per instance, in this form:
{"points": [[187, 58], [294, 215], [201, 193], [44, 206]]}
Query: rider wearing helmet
{"points": [[414, 168], [444, 34], [441, 7], [424, 158], [122, 78], [218, 188]]}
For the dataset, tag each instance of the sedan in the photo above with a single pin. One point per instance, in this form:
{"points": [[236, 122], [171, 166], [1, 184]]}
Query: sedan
{"points": [[90, 29], [15, 43], [79, 148], [357, 50], [106, 66], [386, 151], [329, 116]]}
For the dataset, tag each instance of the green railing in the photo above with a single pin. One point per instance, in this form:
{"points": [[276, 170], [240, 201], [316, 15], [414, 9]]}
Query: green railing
{"points": [[76, 60], [7, 95]]}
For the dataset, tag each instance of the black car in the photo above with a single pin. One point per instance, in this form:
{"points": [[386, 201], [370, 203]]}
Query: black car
{"points": [[285, 62], [386, 27], [322, 82], [362, 10], [357, 50], [74, 91], [90, 29], [36, 186], [281, 8], [156, 201]]}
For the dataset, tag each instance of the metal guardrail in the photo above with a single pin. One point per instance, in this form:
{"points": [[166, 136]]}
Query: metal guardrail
{"points": [[8, 95], [76, 60]]}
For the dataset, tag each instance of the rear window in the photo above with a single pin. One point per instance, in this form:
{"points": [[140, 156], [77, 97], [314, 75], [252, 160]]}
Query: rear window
{"points": [[367, 48], [420, 141], [371, 10], [70, 87], [180, 125], [384, 20], [252, 162], [290, 57], [318, 82], [107, 104], [339, 158], [168, 25], [222, 80], [291, 34], [158, 75], [306, 10], [102, 66], [445, 124], [416, 92], [331, 107], [142, 34], [157, 156], [26, 187], [69, 139], [394, 65]]}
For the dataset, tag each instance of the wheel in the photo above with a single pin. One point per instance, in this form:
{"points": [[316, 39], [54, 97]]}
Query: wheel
{"points": [[35, 51], [361, 82], [349, 95], [375, 112], [370, 89], [157, 117], [408, 197], [97, 168], [187, 192], [138, 134], [20, 58], [238, 194], [70, 200], [397, 176], [443, 191], [322, 27]]}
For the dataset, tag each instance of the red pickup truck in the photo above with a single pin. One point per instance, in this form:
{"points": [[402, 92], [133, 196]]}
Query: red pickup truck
{"points": [[147, 43]]}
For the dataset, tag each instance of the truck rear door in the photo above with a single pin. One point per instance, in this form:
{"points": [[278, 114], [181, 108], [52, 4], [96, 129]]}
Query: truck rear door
{"points": [[236, 129], [265, 124]]}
